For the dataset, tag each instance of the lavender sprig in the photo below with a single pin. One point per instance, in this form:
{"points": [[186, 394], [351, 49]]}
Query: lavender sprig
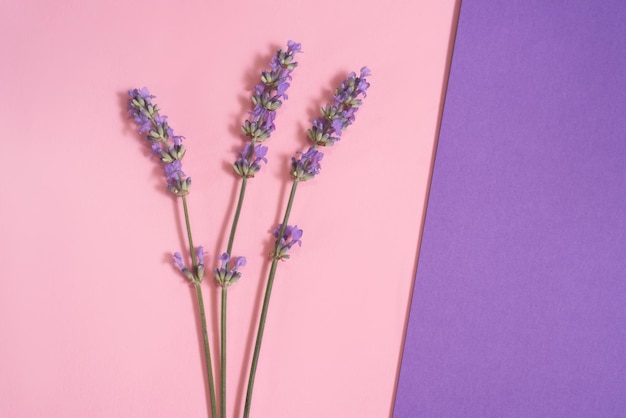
{"points": [[171, 151], [327, 130], [267, 98], [165, 144]]}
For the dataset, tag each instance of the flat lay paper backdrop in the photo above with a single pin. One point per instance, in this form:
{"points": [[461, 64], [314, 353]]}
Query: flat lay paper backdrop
{"points": [[94, 319], [519, 300]]}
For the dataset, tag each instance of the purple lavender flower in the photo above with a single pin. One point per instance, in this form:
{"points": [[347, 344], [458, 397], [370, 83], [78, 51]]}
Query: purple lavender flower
{"points": [[307, 166], [200, 255], [291, 236], [269, 93], [178, 262], [249, 162], [225, 276], [200, 260], [164, 143], [340, 114], [173, 171]]}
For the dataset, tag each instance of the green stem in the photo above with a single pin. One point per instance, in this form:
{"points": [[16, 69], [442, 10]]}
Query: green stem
{"points": [[205, 334], [192, 249], [207, 351], [266, 302], [233, 228], [229, 249], [223, 353]]}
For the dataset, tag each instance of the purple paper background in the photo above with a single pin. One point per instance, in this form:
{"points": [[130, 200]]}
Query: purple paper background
{"points": [[519, 304]]}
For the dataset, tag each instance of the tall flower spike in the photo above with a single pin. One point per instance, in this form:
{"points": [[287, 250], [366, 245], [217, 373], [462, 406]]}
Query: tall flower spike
{"points": [[164, 143], [340, 113], [267, 98]]}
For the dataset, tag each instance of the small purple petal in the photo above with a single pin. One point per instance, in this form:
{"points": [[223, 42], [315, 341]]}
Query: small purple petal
{"points": [[241, 261], [245, 152], [178, 261], [172, 171], [260, 151], [155, 148], [224, 258], [281, 89], [337, 126], [293, 47], [200, 254], [145, 94], [296, 234], [160, 119]]}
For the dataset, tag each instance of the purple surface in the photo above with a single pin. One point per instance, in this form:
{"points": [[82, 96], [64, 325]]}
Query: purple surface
{"points": [[519, 304]]}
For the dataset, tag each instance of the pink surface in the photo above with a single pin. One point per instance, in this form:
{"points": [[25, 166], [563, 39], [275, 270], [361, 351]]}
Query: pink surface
{"points": [[94, 319]]}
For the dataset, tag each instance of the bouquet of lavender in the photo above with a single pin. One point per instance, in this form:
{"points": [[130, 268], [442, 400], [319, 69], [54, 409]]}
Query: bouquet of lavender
{"points": [[267, 98]]}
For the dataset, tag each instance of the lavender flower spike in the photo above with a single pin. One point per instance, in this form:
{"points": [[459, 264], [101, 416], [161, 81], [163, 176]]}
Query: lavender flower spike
{"points": [[270, 92], [267, 98], [226, 277], [290, 237], [340, 114], [164, 143]]}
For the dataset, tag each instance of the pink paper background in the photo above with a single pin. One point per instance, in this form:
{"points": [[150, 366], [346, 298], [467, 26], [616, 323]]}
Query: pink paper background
{"points": [[94, 319]]}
